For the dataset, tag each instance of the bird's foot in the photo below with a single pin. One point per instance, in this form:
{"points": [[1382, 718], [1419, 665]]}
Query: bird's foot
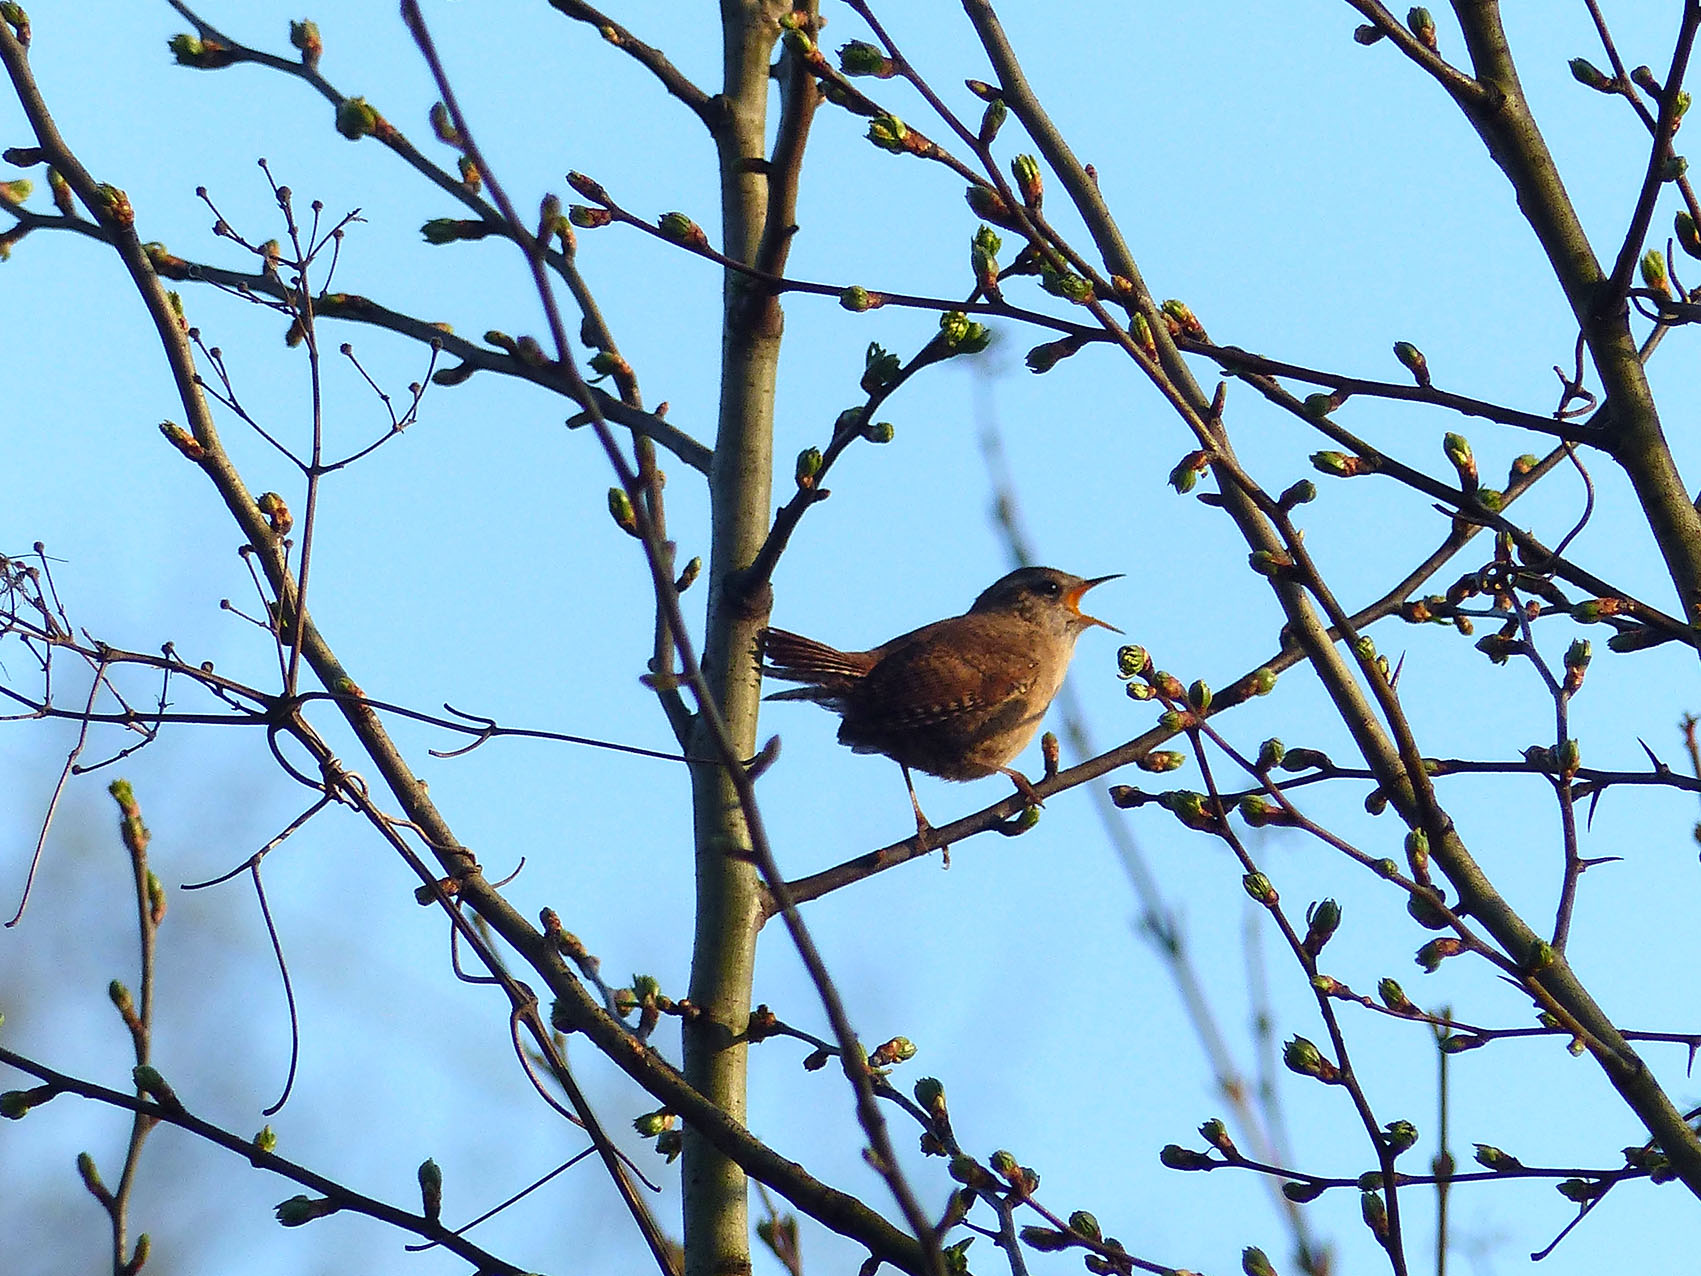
{"points": [[1024, 786], [925, 840]]}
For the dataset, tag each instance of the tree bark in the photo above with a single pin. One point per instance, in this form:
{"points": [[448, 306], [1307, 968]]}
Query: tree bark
{"points": [[728, 902]]}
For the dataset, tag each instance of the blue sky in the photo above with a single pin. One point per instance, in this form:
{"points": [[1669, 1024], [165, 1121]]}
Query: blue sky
{"points": [[1310, 199]]}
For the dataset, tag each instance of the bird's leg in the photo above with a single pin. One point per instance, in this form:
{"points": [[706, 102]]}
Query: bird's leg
{"points": [[1024, 786], [923, 830]]}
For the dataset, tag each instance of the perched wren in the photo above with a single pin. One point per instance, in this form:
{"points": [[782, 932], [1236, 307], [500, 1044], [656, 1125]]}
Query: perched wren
{"points": [[959, 698]]}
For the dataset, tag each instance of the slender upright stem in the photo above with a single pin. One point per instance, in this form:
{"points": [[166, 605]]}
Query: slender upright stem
{"points": [[716, 1208]]}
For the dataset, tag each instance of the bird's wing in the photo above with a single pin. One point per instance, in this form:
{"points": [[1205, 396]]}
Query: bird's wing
{"points": [[934, 681]]}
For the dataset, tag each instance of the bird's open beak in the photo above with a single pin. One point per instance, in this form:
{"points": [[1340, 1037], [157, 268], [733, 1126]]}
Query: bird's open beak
{"points": [[1073, 600]]}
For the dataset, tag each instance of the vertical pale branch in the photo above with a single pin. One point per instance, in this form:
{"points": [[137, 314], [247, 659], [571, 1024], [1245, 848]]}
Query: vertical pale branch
{"points": [[717, 1228]]}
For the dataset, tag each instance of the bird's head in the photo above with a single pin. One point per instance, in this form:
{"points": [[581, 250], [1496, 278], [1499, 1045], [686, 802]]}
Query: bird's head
{"points": [[1044, 595]]}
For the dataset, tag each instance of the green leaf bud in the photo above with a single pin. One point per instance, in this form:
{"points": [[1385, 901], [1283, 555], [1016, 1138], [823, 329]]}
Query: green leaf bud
{"points": [[961, 335], [304, 35], [1132, 661], [1047, 355], [1688, 235], [1258, 812], [1436, 951], [1141, 331], [682, 230], [560, 1016], [859, 58], [1215, 1132], [1301, 1056], [1066, 284], [1413, 359], [1322, 920], [1401, 1137], [1030, 181], [897, 1050], [587, 218], [1375, 1212], [1426, 912], [1260, 889], [858, 299], [115, 206], [447, 230], [90, 1175], [1423, 26], [1417, 854], [304, 1209], [988, 205], [1653, 268], [431, 1189], [1044, 1239], [1458, 451], [357, 118], [1459, 1042], [1394, 997], [1344, 465], [1570, 758], [1591, 76], [970, 1172], [808, 466], [1187, 471], [1318, 406], [1260, 682], [889, 133], [1174, 1156], [15, 1105], [1159, 761], [204, 55], [1539, 957], [620, 509], [880, 368], [1181, 320]]}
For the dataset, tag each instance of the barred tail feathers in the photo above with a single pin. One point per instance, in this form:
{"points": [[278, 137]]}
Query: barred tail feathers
{"points": [[799, 659]]}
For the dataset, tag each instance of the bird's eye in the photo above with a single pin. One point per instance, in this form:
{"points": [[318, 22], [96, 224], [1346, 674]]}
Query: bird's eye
{"points": [[1050, 588]]}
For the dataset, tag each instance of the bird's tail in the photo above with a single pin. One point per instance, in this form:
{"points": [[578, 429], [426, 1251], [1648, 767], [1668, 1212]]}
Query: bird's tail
{"points": [[799, 659]]}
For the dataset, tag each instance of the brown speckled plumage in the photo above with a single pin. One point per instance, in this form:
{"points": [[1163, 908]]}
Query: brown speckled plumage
{"points": [[959, 698]]}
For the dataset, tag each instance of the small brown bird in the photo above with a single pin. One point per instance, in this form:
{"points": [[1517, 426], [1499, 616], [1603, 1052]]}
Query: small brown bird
{"points": [[959, 698]]}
